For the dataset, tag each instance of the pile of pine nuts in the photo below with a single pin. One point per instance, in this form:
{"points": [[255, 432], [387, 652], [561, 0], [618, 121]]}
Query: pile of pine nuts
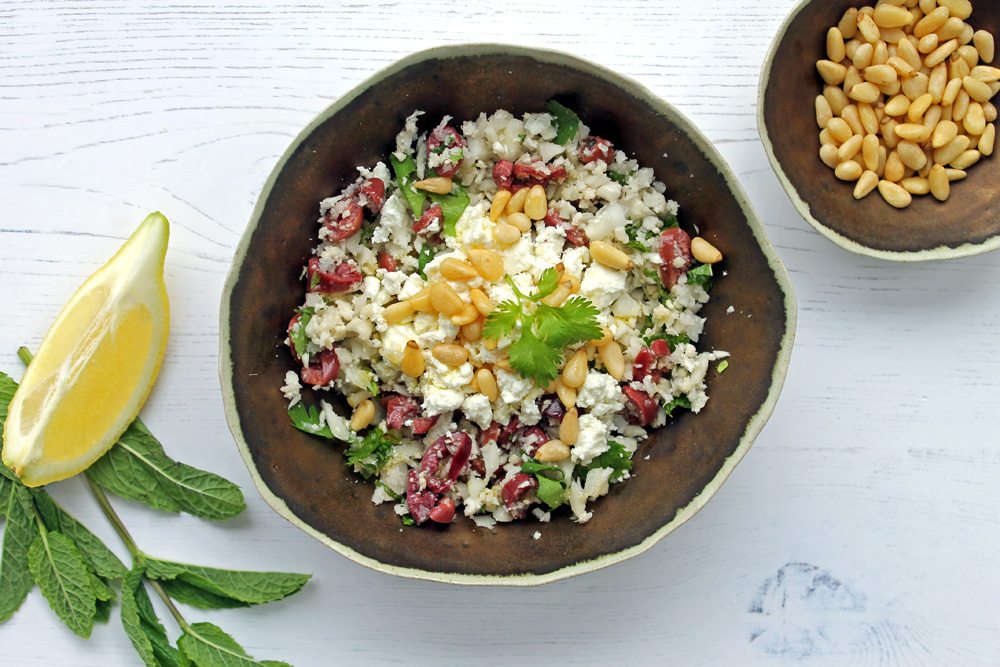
{"points": [[906, 107]]}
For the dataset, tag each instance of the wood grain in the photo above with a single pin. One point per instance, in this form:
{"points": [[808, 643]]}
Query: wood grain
{"points": [[861, 527]]}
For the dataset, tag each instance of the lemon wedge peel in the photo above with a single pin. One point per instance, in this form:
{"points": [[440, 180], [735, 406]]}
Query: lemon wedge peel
{"points": [[96, 365]]}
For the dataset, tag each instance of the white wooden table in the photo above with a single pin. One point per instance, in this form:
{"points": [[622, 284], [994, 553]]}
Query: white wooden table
{"points": [[862, 527]]}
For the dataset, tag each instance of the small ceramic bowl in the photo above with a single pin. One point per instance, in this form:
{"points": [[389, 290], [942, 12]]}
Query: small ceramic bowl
{"points": [[967, 224], [677, 470]]}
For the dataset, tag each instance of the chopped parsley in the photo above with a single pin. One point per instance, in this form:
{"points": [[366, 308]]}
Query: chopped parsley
{"points": [[723, 365], [408, 520], [536, 354], [367, 233], [521, 138], [551, 489], [371, 453], [670, 222], [298, 335], [633, 230], [616, 458], [679, 402], [565, 120], [306, 418], [452, 204], [618, 177], [672, 340], [392, 494], [701, 275]]}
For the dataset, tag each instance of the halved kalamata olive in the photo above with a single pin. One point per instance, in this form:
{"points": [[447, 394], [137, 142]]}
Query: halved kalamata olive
{"points": [[385, 261], [594, 148], [448, 137], [323, 369], [374, 191], [344, 278], [641, 406], [399, 409], [425, 225], [503, 174], [343, 220], [675, 249]]}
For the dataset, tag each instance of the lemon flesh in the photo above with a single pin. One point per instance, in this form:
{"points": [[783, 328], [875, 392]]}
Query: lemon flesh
{"points": [[95, 366]]}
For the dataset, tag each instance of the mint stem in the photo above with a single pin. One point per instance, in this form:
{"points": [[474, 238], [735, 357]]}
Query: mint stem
{"points": [[170, 605], [24, 355]]}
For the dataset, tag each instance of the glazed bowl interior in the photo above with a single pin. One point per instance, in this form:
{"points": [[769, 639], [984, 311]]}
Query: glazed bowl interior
{"points": [[967, 224], [304, 477]]}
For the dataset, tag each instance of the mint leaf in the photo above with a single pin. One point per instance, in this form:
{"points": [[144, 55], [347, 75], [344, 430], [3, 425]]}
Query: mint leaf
{"points": [[6, 489], [306, 418], [565, 120], [679, 402], [502, 321], [616, 458], [206, 645], [298, 336], [142, 626], [547, 284], [7, 389], [452, 206], [192, 595], [701, 275], [61, 574], [424, 257], [534, 359], [551, 491], [95, 553], [21, 531], [137, 468], [405, 171], [242, 585], [573, 322]]}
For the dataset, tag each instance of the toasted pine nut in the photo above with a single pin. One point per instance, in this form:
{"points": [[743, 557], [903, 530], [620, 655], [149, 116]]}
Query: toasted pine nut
{"points": [[468, 315], [363, 415], [938, 82], [916, 85], [894, 194], [536, 204], [966, 159], [437, 184], [903, 68], [421, 301], [938, 183], [482, 302], [912, 155], [610, 256], [907, 50], [574, 283], [613, 359], [552, 451], [829, 155], [500, 200], [508, 234], [574, 373], [849, 23], [487, 384], [941, 53], [989, 111], [933, 117], [984, 44], [473, 331], [850, 148], [567, 395], [898, 105], [952, 29], [928, 43], [865, 92], [823, 111], [866, 184], [971, 58], [833, 73], [845, 171], [869, 119], [398, 312], [474, 384], [413, 360], [891, 16], [863, 56], [450, 354], [559, 294], [706, 253], [519, 220], [488, 264], [987, 142], [490, 343], [840, 130], [957, 67], [569, 428], [960, 9], [931, 22], [894, 168], [606, 337], [452, 268], [835, 45], [516, 202], [947, 154], [975, 119], [445, 299], [916, 185], [944, 134]]}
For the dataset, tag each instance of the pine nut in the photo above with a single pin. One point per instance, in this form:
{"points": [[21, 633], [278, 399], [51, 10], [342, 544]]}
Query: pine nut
{"points": [[574, 373], [883, 156], [473, 331], [706, 253], [983, 73], [487, 384], [413, 360], [915, 185], [865, 92], [833, 73], [567, 395], [468, 315], [552, 451], [932, 117], [987, 142], [559, 294], [971, 58], [863, 56], [850, 148], [957, 67], [939, 54], [951, 92], [837, 98], [438, 184], [363, 415], [944, 134], [500, 200], [928, 43], [445, 299], [450, 354], [482, 302], [488, 264], [840, 130], [907, 50], [848, 25], [912, 155], [975, 119], [890, 16], [490, 343], [516, 202], [504, 365], [452, 268], [508, 234], [898, 105], [960, 9], [989, 112], [606, 337], [569, 428], [966, 159], [835, 45], [867, 28], [399, 312], [938, 183], [894, 168], [916, 85], [931, 22], [474, 384], [613, 359], [869, 119], [952, 29], [894, 194], [536, 204], [913, 132], [610, 256], [984, 44], [901, 67], [866, 184], [977, 90], [919, 107], [421, 301], [938, 82], [574, 283], [947, 154], [869, 152], [954, 174], [880, 74], [846, 171], [520, 221], [823, 111]]}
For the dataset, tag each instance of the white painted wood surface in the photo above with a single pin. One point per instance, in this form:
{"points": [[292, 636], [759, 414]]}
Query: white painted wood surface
{"points": [[861, 528]]}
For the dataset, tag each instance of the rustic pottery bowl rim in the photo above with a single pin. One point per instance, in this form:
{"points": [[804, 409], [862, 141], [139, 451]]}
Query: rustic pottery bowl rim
{"points": [[940, 252], [752, 428]]}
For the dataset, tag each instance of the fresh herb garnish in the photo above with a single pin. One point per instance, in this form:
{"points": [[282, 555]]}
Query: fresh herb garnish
{"points": [[723, 365], [670, 222], [298, 335], [371, 453], [701, 275], [672, 340], [565, 120], [306, 418], [452, 204], [392, 494], [366, 234], [424, 257], [408, 520], [551, 489], [313, 280], [616, 458], [679, 402], [618, 177], [654, 275], [536, 354], [633, 230], [521, 138]]}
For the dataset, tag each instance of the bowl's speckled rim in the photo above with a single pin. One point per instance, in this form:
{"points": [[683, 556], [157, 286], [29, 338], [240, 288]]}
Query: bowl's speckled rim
{"points": [[929, 254], [753, 428]]}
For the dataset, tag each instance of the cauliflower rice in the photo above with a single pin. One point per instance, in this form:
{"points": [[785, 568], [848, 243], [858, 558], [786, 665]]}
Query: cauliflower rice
{"points": [[445, 438]]}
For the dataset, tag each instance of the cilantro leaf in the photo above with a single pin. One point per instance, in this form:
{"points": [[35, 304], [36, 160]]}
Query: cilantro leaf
{"points": [[633, 235], [551, 490], [672, 340], [452, 206], [298, 335], [670, 222], [565, 120], [306, 418], [701, 275], [573, 322], [424, 258], [502, 320], [533, 358], [405, 170], [547, 284], [616, 458]]}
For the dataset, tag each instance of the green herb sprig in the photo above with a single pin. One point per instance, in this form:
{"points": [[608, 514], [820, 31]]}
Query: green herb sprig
{"points": [[44, 544], [538, 351], [452, 204], [565, 120]]}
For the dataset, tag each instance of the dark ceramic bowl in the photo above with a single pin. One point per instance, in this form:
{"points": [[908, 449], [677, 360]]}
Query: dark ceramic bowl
{"points": [[967, 224], [676, 471]]}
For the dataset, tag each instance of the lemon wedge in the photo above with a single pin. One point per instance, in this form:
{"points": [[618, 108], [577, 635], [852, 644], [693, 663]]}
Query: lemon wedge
{"points": [[95, 366]]}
